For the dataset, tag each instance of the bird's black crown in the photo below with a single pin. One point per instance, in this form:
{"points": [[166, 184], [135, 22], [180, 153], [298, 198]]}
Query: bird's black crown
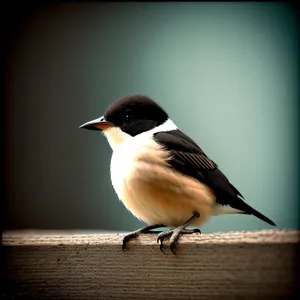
{"points": [[135, 114]]}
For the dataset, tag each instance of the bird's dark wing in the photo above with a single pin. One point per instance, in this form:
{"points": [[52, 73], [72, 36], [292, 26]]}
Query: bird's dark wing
{"points": [[189, 159]]}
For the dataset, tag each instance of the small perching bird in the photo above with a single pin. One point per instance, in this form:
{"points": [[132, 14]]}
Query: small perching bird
{"points": [[160, 174]]}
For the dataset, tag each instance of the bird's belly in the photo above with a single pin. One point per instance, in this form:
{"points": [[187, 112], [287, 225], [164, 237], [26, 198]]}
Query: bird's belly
{"points": [[156, 193]]}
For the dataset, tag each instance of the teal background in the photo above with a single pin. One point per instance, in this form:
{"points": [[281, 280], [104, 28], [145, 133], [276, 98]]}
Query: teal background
{"points": [[227, 74]]}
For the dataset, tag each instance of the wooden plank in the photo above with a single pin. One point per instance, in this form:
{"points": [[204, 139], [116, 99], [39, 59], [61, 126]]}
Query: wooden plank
{"points": [[68, 265]]}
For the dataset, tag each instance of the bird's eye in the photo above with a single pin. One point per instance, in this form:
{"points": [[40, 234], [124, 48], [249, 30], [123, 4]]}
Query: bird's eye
{"points": [[128, 117]]}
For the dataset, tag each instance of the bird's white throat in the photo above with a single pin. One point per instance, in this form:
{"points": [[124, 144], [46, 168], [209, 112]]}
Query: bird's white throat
{"points": [[115, 136]]}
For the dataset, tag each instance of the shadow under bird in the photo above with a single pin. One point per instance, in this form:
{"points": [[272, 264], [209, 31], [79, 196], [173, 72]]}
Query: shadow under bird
{"points": [[160, 174]]}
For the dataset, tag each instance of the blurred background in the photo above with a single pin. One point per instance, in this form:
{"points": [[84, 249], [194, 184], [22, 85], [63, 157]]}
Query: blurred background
{"points": [[227, 74]]}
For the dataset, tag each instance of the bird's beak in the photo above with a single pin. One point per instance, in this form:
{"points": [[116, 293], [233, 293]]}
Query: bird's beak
{"points": [[97, 124]]}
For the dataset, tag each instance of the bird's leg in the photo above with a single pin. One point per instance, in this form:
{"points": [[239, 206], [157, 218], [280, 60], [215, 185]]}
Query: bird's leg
{"points": [[136, 233], [174, 234]]}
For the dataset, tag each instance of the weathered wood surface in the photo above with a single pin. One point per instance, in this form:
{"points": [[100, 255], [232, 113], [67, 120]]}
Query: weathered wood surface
{"points": [[232, 265]]}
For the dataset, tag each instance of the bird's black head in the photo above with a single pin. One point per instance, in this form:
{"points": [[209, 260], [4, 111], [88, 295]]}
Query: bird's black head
{"points": [[135, 114], [132, 114]]}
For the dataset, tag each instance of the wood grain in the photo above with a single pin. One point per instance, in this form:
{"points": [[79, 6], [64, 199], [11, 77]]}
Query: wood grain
{"points": [[70, 265]]}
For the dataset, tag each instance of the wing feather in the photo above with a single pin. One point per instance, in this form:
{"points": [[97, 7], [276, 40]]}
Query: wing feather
{"points": [[189, 159]]}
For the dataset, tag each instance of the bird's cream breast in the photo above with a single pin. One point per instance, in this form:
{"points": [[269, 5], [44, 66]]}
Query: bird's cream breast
{"points": [[152, 190]]}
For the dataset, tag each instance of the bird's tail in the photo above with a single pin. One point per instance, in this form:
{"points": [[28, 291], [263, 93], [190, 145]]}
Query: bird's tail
{"points": [[251, 211]]}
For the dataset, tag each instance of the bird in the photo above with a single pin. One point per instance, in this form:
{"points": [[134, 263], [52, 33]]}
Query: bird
{"points": [[161, 175]]}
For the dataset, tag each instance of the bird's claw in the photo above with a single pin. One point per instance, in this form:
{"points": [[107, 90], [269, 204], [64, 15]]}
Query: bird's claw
{"points": [[174, 235], [161, 236], [160, 239], [127, 238], [135, 234], [161, 247], [196, 230], [173, 247]]}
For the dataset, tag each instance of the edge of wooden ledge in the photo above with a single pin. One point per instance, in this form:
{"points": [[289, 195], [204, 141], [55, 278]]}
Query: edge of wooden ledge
{"points": [[49, 237]]}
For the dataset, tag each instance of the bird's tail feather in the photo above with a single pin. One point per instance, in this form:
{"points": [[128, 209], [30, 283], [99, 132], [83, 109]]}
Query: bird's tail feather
{"points": [[251, 211]]}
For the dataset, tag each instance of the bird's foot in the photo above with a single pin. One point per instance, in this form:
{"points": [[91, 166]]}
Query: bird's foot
{"points": [[174, 234], [136, 233]]}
